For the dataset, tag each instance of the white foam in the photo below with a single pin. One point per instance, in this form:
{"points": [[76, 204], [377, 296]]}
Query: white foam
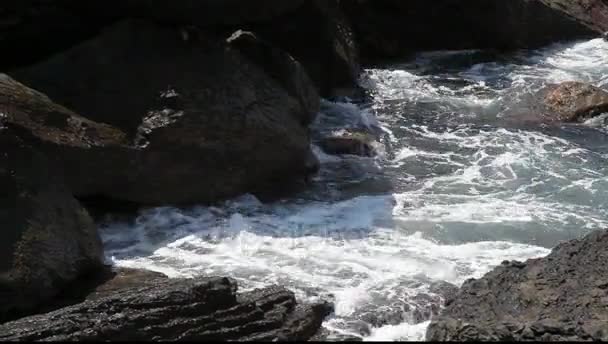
{"points": [[452, 184], [399, 333]]}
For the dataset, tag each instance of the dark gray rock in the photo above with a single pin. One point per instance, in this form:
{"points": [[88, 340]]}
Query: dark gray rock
{"points": [[279, 65], [48, 239], [393, 28], [175, 309], [563, 296], [321, 38], [204, 121]]}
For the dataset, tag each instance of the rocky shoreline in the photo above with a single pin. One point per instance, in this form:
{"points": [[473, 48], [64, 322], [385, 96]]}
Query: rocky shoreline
{"points": [[193, 102], [562, 297]]}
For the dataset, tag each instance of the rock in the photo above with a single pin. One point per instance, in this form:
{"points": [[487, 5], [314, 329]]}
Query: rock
{"points": [[394, 28], [205, 121], [320, 36], [574, 101], [200, 309], [315, 32], [447, 291], [348, 142], [563, 296], [283, 68], [48, 240], [566, 102], [591, 13], [88, 155], [605, 36]]}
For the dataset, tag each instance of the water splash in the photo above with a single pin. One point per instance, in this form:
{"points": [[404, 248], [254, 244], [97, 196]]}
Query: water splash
{"points": [[457, 192]]}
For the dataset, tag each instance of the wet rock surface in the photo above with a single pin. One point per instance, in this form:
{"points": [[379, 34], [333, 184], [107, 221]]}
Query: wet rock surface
{"points": [[205, 109], [177, 309], [563, 296], [574, 101], [568, 102], [349, 142], [48, 239]]}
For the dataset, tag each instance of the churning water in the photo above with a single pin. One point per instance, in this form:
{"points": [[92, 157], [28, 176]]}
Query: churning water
{"points": [[458, 187]]}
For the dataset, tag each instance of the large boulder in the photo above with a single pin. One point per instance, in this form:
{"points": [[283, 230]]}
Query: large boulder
{"points": [[563, 296], [315, 32], [204, 120], [393, 28], [279, 65], [48, 239], [201, 309]]}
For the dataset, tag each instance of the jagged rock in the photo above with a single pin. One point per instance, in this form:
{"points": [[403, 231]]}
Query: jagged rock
{"points": [[393, 28], [563, 296], [349, 142], [204, 120], [47, 240], [175, 309]]}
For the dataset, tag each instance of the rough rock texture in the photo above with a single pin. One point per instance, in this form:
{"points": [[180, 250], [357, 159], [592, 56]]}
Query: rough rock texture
{"points": [[47, 238], [349, 142], [320, 36], [392, 28], [592, 13], [574, 101], [563, 296], [198, 309], [315, 32], [283, 68], [206, 122]]}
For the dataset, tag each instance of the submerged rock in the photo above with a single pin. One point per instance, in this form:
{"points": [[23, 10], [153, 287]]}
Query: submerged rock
{"points": [[393, 28], [563, 296], [205, 121], [349, 142], [198, 309]]}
